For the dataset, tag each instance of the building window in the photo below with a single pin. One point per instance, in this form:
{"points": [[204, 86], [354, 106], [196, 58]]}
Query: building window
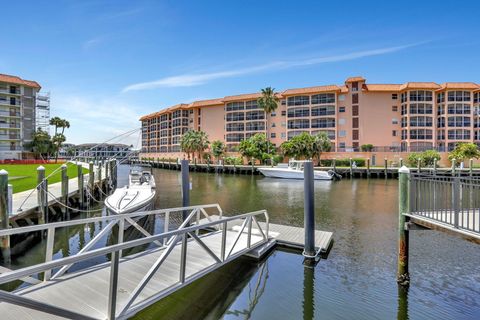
{"points": [[283, 135], [341, 145], [355, 110], [235, 116], [421, 108], [355, 123], [459, 134], [476, 97], [394, 96], [394, 133], [273, 114], [420, 134], [342, 133], [341, 97], [355, 98], [283, 102], [252, 104], [458, 96], [299, 124], [273, 135], [394, 121], [298, 112], [394, 108], [235, 106], [421, 121], [354, 86], [255, 126], [341, 121], [235, 127], [323, 98], [459, 121], [323, 123], [341, 109], [421, 95], [441, 97], [273, 125], [323, 111], [284, 113], [255, 115], [458, 108], [298, 101], [354, 134]]}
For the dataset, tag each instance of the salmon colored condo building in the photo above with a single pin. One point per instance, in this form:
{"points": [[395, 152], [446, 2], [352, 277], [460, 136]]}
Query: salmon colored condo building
{"points": [[394, 118]]}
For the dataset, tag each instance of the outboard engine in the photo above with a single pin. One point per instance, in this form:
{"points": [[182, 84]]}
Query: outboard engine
{"points": [[336, 176]]}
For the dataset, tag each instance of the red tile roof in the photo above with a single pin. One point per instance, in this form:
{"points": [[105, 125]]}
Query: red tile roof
{"points": [[247, 96], [420, 85], [382, 87], [209, 102], [317, 89], [17, 80], [460, 85], [354, 79]]}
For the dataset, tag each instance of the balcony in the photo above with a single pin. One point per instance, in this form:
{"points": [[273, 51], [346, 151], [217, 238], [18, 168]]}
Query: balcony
{"points": [[10, 103], [9, 114], [10, 91], [10, 125], [9, 137]]}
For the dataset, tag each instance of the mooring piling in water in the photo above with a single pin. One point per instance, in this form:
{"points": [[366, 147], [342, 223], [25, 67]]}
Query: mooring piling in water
{"points": [[4, 216], [309, 210], [185, 187], [403, 277], [91, 178]]}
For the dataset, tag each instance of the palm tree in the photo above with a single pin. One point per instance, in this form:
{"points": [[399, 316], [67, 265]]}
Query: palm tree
{"points": [[218, 149], [194, 141], [58, 138], [269, 103], [201, 143], [322, 144]]}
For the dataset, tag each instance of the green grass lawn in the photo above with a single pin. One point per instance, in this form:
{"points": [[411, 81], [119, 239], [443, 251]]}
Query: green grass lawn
{"points": [[24, 176]]}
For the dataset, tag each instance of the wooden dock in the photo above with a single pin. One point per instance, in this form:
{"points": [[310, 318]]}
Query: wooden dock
{"points": [[122, 287]]}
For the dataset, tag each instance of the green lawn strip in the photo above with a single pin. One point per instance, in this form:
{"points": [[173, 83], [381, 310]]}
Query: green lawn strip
{"points": [[24, 176]]}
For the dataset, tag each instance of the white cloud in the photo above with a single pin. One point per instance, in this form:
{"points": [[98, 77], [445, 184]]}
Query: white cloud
{"points": [[91, 43], [188, 80], [97, 120]]}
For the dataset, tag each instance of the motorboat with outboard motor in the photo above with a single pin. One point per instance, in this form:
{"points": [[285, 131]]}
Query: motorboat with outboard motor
{"points": [[294, 170], [138, 195]]}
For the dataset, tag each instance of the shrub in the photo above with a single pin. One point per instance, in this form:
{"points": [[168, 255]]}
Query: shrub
{"points": [[233, 161], [366, 147], [427, 158], [343, 162]]}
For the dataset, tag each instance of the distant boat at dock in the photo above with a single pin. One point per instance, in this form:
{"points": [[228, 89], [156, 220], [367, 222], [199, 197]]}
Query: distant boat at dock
{"points": [[294, 170], [138, 195]]}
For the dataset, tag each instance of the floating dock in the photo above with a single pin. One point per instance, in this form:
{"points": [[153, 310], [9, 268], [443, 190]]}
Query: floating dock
{"points": [[122, 287]]}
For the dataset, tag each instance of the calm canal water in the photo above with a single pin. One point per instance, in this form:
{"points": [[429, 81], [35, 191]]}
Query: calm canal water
{"points": [[356, 281]]}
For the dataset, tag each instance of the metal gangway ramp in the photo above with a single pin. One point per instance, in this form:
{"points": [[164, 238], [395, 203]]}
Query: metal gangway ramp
{"points": [[120, 288]]}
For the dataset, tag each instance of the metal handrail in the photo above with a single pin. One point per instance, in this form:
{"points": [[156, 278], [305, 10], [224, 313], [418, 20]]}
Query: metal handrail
{"points": [[115, 250]]}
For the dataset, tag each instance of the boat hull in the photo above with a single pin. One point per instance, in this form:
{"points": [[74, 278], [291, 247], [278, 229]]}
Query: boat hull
{"points": [[293, 174]]}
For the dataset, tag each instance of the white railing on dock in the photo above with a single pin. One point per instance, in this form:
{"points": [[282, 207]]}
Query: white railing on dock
{"points": [[451, 202], [175, 234]]}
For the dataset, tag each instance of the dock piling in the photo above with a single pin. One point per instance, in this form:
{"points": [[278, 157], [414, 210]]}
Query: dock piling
{"points": [[368, 167], [64, 189], [385, 161], [435, 166], [4, 216], [419, 165], [403, 277], [42, 197], [309, 211], [81, 195], [470, 167], [351, 168], [185, 187], [91, 178]]}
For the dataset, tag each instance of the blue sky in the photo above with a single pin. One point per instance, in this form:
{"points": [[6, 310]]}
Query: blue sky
{"points": [[106, 63]]}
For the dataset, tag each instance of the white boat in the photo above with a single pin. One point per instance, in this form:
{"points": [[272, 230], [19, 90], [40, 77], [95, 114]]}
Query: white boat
{"points": [[138, 195], [294, 170]]}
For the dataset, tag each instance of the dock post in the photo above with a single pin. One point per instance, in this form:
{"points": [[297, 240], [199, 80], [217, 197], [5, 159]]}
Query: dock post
{"points": [[403, 277], [42, 195], [470, 167], [401, 162], [368, 167], [435, 166], [351, 168], [334, 164], [419, 165], [4, 217], [100, 184], [91, 179], [64, 189], [385, 161], [81, 195], [454, 167], [309, 211], [185, 187]]}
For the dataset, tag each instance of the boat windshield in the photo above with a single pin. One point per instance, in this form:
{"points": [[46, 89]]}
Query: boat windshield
{"points": [[295, 165]]}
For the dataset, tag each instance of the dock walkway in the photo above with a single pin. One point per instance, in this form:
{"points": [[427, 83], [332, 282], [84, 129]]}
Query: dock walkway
{"points": [[120, 288]]}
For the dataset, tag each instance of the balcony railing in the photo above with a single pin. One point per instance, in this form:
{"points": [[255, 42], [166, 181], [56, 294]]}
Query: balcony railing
{"points": [[9, 137], [10, 125], [10, 91], [10, 103], [9, 114]]}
